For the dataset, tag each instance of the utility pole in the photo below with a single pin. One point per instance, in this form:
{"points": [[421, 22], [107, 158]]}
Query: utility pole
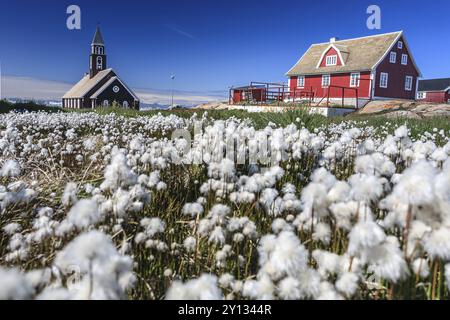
{"points": [[173, 80]]}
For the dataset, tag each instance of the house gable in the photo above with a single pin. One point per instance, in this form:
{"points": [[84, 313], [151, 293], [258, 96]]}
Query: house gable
{"points": [[397, 72], [330, 52]]}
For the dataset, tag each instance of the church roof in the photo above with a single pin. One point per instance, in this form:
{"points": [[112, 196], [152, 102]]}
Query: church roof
{"points": [[98, 39], [86, 84]]}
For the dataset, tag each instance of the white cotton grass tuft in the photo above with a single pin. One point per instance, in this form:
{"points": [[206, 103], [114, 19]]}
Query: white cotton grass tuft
{"points": [[105, 273], [14, 285], [437, 243], [10, 168], [289, 289], [83, 214], [347, 283], [415, 186], [421, 268], [192, 209], [203, 288], [190, 244], [282, 255], [365, 234], [118, 173], [69, 196]]}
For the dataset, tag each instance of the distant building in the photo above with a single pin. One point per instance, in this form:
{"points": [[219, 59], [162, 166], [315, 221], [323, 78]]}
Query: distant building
{"points": [[368, 68], [101, 86], [434, 90]]}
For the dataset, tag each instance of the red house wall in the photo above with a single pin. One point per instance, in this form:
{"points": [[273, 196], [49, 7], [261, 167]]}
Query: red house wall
{"points": [[331, 52], [437, 97], [397, 75], [258, 95], [314, 83]]}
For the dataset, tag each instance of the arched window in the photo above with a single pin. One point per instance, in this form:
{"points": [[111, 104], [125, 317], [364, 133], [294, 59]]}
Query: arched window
{"points": [[105, 103], [125, 104], [99, 63], [100, 50]]}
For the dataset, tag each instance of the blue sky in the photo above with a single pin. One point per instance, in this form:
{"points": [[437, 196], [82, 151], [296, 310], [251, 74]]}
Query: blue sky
{"points": [[208, 45]]}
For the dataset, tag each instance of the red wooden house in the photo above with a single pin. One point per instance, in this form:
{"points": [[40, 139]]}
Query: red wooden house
{"points": [[367, 68], [248, 93], [434, 90]]}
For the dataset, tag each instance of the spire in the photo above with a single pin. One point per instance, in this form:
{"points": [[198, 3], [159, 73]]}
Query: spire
{"points": [[98, 39]]}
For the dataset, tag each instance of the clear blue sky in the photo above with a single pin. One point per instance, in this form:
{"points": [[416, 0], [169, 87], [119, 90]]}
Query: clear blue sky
{"points": [[209, 45]]}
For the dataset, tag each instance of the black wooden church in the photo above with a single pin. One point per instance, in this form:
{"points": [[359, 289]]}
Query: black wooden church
{"points": [[101, 87]]}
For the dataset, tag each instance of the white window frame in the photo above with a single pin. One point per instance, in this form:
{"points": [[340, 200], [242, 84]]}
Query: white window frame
{"points": [[331, 60], [354, 83], [99, 63], [421, 95], [384, 80], [326, 76], [404, 59], [393, 57], [400, 45], [408, 84], [301, 81]]}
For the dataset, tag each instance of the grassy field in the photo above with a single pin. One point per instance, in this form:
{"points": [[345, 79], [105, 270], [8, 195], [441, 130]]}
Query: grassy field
{"points": [[343, 210], [261, 119]]}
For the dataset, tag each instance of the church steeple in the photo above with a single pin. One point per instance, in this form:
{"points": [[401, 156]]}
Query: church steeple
{"points": [[97, 61]]}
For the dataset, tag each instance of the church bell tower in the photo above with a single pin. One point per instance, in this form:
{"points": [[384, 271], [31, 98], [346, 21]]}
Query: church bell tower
{"points": [[97, 59]]}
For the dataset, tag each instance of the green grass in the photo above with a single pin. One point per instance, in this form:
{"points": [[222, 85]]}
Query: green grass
{"points": [[32, 106]]}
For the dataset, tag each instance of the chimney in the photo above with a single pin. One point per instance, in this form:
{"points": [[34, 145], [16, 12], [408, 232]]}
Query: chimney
{"points": [[334, 39]]}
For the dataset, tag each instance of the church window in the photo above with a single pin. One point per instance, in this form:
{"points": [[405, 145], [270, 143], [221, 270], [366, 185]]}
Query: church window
{"points": [[125, 104], [99, 63], [105, 103]]}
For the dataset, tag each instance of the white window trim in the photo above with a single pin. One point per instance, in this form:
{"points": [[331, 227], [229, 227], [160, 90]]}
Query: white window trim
{"points": [[301, 84], [400, 45], [386, 75], [408, 88], [99, 63], [421, 95], [393, 57], [333, 61], [354, 85], [329, 80], [404, 59]]}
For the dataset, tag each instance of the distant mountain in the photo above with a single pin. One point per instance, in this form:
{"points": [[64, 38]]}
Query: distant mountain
{"points": [[43, 102], [149, 106], [57, 104]]}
